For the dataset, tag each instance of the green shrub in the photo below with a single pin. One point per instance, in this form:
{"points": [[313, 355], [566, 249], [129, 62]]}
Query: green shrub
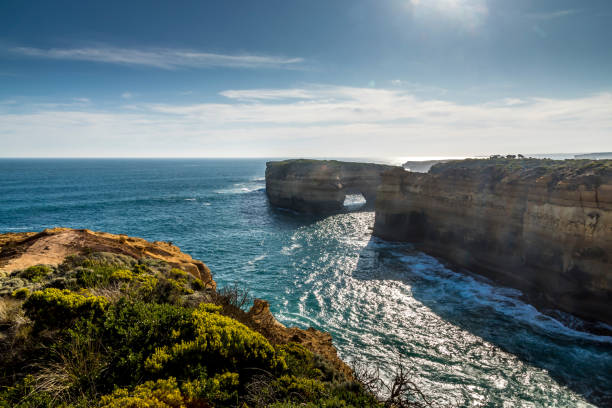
{"points": [[218, 343], [133, 330], [21, 293], [193, 357], [140, 268], [166, 290], [158, 394], [220, 390], [178, 274], [55, 308], [122, 275], [23, 394], [36, 273], [197, 284], [94, 275], [304, 389], [98, 269]]}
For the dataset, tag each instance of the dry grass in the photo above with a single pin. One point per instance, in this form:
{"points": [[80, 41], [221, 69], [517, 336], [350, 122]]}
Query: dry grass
{"points": [[113, 291], [12, 320], [74, 369]]}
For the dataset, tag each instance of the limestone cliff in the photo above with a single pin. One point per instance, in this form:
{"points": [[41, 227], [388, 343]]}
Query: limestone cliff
{"points": [[540, 225], [320, 186]]}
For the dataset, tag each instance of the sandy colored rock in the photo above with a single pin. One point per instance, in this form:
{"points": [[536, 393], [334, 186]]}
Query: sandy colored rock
{"points": [[541, 226], [52, 246], [314, 340], [320, 186]]}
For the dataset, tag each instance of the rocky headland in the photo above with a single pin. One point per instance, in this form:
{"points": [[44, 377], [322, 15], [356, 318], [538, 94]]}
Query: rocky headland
{"points": [[52, 246], [91, 319], [320, 186], [542, 226]]}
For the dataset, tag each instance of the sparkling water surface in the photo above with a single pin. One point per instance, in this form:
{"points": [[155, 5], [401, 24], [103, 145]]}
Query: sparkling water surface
{"points": [[468, 341]]}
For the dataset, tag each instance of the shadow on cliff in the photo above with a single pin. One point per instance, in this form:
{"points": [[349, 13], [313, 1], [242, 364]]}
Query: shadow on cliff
{"points": [[495, 314]]}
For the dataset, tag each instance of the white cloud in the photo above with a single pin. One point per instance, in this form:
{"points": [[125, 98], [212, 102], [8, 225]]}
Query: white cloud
{"points": [[163, 58], [316, 121], [127, 95], [417, 87], [553, 14], [467, 13], [266, 94]]}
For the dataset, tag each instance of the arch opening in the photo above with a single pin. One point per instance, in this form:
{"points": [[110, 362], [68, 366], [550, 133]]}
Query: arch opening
{"points": [[353, 202]]}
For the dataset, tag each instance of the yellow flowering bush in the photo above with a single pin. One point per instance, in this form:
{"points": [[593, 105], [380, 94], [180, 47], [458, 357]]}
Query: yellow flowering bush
{"points": [[167, 393], [219, 343], [152, 394], [55, 307]]}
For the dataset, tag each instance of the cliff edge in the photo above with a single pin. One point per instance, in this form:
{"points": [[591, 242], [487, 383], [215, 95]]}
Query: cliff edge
{"points": [[543, 226], [52, 246]]}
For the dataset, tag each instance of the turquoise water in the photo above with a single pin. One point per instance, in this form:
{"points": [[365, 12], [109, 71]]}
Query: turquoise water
{"points": [[468, 341]]}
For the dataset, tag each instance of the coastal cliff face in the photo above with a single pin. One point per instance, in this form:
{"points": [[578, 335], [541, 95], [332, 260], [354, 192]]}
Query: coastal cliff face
{"points": [[320, 186], [540, 225]]}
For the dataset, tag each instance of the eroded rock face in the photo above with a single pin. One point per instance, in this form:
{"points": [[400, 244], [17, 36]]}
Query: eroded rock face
{"points": [[314, 340], [320, 186], [52, 246], [542, 226]]}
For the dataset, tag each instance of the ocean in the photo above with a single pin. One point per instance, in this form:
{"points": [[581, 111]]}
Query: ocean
{"points": [[466, 341]]}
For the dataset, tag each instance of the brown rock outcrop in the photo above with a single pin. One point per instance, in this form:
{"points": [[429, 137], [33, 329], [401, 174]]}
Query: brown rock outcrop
{"points": [[320, 186], [314, 340], [540, 225], [52, 246]]}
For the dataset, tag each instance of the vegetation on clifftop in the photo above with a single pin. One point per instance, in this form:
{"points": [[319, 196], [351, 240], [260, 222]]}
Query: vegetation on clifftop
{"points": [[107, 330], [529, 167]]}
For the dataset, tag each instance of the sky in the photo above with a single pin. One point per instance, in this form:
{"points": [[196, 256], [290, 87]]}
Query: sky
{"points": [[304, 78]]}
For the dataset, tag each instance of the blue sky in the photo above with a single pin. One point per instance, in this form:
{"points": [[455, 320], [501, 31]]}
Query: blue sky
{"points": [[352, 78]]}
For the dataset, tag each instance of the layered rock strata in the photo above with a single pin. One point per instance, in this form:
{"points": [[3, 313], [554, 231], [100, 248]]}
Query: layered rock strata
{"points": [[540, 225], [320, 186]]}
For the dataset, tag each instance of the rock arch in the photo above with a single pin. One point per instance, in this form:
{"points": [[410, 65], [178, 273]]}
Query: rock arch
{"points": [[320, 186]]}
